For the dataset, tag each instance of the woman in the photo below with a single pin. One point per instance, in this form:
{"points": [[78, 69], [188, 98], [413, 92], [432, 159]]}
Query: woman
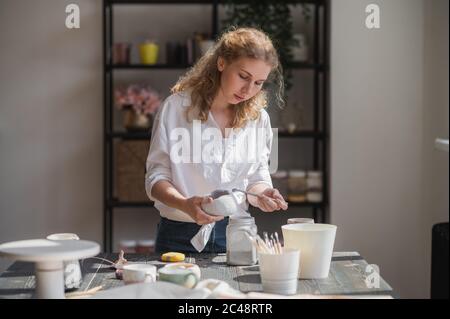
{"points": [[222, 92]]}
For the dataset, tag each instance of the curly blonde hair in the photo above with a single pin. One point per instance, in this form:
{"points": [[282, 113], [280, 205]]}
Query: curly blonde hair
{"points": [[203, 79]]}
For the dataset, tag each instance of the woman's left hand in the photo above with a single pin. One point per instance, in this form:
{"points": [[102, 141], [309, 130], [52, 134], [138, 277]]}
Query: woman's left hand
{"points": [[270, 200]]}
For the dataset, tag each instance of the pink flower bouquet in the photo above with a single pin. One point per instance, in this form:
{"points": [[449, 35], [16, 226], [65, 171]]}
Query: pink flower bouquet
{"points": [[144, 100]]}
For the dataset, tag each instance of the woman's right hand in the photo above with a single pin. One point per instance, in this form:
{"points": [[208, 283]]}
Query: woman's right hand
{"points": [[193, 207]]}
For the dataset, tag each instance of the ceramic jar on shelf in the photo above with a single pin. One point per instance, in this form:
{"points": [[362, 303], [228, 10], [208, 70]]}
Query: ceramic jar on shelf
{"points": [[133, 121], [128, 246], [314, 186], [300, 49], [297, 186]]}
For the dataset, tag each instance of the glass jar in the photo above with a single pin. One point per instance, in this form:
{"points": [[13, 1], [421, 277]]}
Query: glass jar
{"points": [[297, 186], [314, 184], [300, 49], [240, 250], [280, 182]]}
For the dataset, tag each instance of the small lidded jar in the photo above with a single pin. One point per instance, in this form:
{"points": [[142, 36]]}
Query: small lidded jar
{"points": [[297, 186], [128, 246], [240, 250], [314, 184], [145, 246]]}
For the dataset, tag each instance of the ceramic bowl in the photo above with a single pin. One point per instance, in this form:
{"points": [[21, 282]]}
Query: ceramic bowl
{"points": [[224, 205]]}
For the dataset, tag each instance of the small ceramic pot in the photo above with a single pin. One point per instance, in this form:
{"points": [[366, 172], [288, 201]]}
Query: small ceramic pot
{"points": [[192, 267], [179, 276], [225, 203], [138, 273]]}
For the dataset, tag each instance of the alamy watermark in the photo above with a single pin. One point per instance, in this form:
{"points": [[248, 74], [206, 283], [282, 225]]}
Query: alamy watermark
{"points": [[73, 17], [253, 145], [373, 17], [372, 276]]}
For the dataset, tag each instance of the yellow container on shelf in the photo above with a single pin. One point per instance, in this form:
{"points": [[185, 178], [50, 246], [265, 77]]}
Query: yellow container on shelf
{"points": [[149, 52]]}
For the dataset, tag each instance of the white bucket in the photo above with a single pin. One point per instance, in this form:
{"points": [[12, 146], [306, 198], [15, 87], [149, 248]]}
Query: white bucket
{"points": [[315, 242], [279, 272]]}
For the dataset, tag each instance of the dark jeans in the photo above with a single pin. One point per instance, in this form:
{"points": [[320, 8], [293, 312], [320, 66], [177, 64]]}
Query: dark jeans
{"points": [[176, 236]]}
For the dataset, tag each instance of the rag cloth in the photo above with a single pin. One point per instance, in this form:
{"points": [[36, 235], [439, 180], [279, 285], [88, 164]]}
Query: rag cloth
{"points": [[200, 239]]}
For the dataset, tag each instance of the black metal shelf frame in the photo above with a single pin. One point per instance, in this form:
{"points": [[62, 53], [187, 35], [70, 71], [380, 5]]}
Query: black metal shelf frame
{"points": [[319, 134]]}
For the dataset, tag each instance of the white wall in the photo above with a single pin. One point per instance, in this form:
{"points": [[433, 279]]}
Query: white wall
{"points": [[386, 108], [436, 108], [50, 120]]}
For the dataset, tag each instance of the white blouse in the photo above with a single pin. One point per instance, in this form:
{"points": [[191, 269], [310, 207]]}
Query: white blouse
{"points": [[228, 165]]}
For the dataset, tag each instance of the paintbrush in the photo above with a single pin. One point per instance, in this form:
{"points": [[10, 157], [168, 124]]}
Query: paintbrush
{"points": [[280, 248]]}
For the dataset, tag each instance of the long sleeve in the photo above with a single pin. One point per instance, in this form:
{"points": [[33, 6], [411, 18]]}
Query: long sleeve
{"points": [[158, 159], [262, 174]]}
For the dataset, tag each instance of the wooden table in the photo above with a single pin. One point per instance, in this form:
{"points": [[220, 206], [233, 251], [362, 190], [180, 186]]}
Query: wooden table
{"points": [[347, 275]]}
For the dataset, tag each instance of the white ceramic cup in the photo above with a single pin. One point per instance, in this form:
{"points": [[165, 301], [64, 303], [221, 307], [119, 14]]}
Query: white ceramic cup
{"points": [[315, 242], [73, 277], [63, 236], [139, 273], [300, 221], [279, 271]]}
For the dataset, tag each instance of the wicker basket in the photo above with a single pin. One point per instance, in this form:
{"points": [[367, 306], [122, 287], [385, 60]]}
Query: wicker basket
{"points": [[131, 157]]}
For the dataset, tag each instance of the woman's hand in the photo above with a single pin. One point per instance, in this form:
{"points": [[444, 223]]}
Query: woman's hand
{"points": [[193, 208], [270, 200]]}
